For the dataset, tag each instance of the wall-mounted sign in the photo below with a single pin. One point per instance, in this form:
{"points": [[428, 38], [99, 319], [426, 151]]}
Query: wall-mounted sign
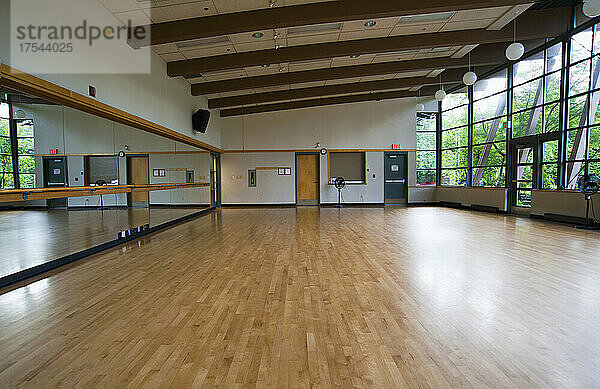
{"points": [[53, 151], [284, 171], [158, 172], [396, 146]]}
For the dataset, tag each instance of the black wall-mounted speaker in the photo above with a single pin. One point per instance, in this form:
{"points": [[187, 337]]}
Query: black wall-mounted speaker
{"points": [[200, 120]]}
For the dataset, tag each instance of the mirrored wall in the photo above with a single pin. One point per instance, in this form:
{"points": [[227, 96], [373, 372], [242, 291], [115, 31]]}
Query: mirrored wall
{"points": [[71, 181]]}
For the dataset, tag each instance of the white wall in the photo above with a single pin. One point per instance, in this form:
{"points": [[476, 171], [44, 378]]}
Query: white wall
{"points": [[367, 125], [271, 188]]}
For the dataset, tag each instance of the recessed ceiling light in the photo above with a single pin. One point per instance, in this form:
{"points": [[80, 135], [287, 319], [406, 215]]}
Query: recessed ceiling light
{"points": [[370, 23], [258, 35], [266, 65], [277, 46], [355, 56], [272, 3]]}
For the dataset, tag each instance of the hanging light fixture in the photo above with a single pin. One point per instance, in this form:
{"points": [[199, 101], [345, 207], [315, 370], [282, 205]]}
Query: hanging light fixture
{"points": [[470, 77], [419, 107], [591, 8], [516, 49], [440, 94]]}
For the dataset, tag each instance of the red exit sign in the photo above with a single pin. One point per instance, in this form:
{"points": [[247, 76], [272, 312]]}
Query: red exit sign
{"points": [[396, 147], [53, 151]]}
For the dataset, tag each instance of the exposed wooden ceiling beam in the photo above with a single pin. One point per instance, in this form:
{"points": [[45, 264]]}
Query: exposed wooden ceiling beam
{"points": [[483, 55], [530, 25], [327, 101], [449, 77], [301, 15]]}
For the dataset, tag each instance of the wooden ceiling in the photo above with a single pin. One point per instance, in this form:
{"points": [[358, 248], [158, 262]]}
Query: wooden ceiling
{"points": [[250, 56]]}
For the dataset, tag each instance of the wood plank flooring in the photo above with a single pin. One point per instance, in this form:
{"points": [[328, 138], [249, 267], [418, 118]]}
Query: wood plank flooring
{"points": [[389, 298]]}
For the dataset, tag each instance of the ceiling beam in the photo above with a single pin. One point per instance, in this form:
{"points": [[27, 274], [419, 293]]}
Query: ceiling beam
{"points": [[483, 55], [327, 101], [449, 77], [301, 15], [531, 25]]}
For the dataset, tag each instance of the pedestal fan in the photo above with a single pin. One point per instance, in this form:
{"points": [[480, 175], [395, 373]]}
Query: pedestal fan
{"points": [[589, 186], [339, 183]]}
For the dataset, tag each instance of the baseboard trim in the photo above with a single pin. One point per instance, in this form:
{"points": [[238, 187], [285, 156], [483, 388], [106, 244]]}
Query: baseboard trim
{"points": [[563, 219], [354, 205], [28, 274], [259, 205]]}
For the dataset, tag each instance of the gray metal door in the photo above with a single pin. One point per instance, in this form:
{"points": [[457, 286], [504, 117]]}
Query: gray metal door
{"points": [[395, 180], [55, 176]]}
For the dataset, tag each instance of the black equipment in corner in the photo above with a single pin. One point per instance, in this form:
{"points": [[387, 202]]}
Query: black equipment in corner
{"points": [[589, 186], [339, 183], [200, 120]]}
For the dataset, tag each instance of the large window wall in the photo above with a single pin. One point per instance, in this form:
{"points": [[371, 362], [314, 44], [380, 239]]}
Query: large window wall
{"points": [[551, 95], [455, 137], [426, 141]]}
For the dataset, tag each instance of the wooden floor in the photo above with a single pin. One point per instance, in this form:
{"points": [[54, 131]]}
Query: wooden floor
{"points": [[394, 297], [56, 233]]}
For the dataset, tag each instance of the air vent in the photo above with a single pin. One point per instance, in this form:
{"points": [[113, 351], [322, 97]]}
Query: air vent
{"points": [[426, 18], [401, 52], [314, 29], [204, 42]]}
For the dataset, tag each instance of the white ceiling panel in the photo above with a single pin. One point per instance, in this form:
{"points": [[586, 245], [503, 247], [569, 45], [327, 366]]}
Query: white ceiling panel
{"points": [[170, 57], [312, 39], [422, 73], [254, 46], [181, 11], [343, 81], [207, 51], [226, 75], [378, 77], [307, 84], [477, 14], [359, 25], [351, 35], [347, 61], [468, 25], [309, 65], [165, 48], [137, 17], [416, 29], [119, 5]]}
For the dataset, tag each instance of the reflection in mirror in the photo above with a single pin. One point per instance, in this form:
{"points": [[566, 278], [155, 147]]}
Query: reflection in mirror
{"points": [[71, 181]]}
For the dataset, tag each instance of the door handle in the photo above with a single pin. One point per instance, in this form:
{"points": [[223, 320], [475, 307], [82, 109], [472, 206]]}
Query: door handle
{"points": [[395, 181]]}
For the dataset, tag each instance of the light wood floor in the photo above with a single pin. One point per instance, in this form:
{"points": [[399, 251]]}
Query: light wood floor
{"points": [[395, 297]]}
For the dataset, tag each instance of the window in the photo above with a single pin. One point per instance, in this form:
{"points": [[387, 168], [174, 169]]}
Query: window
{"points": [[536, 93], [583, 118], [101, 168], [490, 125], [25, 143], [6, 169], [426, 146], [19, 132], [455, 136], [350, 165]]}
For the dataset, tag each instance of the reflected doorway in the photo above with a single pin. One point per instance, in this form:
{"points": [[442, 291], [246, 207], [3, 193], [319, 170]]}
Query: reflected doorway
{"points": [[215, 180], [137, 174], [55, 176]]}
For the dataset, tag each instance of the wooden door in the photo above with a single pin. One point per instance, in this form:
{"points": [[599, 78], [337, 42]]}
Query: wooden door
{"points": [[137, 174], [307, 179]]}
